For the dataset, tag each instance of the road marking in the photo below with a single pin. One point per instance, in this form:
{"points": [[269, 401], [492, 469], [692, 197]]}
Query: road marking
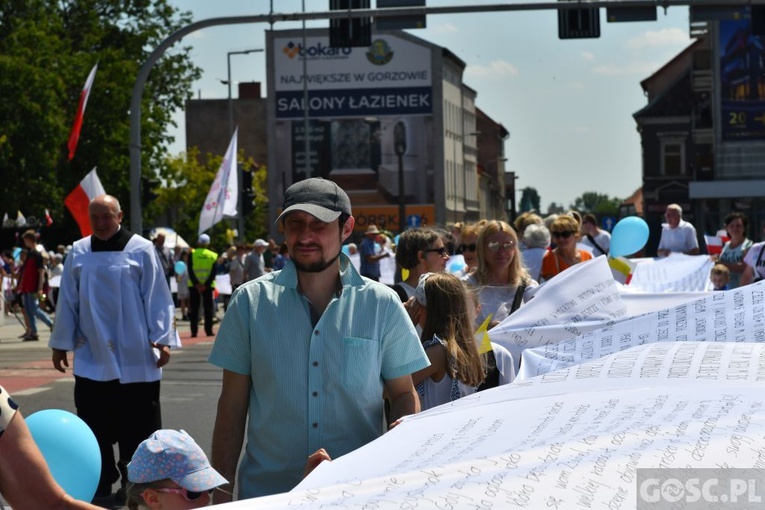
{"points": [[31, 391]]}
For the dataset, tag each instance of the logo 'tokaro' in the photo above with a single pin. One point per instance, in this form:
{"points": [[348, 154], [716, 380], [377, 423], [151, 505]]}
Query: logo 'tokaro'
{"points": [[315, 51]]}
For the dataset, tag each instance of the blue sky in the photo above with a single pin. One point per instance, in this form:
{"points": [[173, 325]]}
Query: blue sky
{"points": [[568, 104]]}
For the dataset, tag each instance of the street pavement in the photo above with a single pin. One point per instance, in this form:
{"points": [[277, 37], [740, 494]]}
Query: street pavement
{"points": [[190, 385], [26, 364]]}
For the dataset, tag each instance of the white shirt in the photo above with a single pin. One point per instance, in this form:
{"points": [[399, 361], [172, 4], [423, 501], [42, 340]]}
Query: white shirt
{"points": [[603, 239], [496, 299], [751, 260], [111, 305], [505, 364], [679, 239]]}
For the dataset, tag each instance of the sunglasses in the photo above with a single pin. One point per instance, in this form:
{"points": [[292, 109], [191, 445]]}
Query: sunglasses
{"points": [[467, 247], [187, 494], [441, 251], [495, 246], [565, 234]]}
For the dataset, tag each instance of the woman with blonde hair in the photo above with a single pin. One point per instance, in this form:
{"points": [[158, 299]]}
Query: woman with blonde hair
{"points": [[456, 368], [501, 280], [564, 231]]}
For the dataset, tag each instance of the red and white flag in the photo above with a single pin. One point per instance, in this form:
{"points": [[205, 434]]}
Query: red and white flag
{"points": [[48, 219], [715, 244], [78, 200], [74, 136]]}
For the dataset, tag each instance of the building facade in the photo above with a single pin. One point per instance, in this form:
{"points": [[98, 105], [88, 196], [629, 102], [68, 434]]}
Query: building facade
{"points": [[703, 130], [395, 113]]}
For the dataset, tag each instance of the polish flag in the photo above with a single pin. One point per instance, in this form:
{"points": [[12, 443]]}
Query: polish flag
{"points": [[48, 219], [715, 244], [74, 136], [78, 200]]}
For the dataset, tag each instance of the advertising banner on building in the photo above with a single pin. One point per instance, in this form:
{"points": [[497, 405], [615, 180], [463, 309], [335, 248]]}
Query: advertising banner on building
{"points": [[369, 117], [742, 81]]}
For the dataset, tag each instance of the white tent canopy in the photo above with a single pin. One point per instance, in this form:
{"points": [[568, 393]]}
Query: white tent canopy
{"points": [[172, 239]]}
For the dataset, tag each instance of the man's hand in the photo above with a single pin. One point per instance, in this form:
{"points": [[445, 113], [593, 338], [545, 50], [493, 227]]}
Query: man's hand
{"points": [[201, 287], [315, 459], [59, 357], [164, 354]]}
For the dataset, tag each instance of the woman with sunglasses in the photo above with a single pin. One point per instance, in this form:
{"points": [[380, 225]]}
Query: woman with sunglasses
{"points": [[419, 251], [500, 280], [469, 247], [565, 254]]}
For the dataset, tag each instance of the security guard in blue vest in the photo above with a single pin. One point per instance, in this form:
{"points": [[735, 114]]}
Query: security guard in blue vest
{"points": [[201, 284]]}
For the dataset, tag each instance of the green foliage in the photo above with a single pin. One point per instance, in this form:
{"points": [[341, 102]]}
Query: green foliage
{"points": [[597, 203], [47, 49], [186, 184]]}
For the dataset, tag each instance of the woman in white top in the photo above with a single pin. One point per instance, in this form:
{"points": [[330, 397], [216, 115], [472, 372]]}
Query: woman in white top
{"points": [[501, 278], [456, 368], [734, 251]]}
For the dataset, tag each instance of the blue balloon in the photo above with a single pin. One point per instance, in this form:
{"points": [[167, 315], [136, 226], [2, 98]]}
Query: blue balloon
{"points": [[346, 249], [455, 264], [180, 267], [628, 236], [70, 449]]}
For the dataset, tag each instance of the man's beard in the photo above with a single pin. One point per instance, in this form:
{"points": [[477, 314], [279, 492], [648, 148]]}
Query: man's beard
{"points": [[315, 267]]}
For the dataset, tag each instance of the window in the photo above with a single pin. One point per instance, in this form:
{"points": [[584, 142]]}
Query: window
{"points": [[672, 157]]}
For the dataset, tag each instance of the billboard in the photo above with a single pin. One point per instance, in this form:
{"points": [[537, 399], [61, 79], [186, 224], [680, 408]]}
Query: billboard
{"points": [[369, 118], [742, 83]]}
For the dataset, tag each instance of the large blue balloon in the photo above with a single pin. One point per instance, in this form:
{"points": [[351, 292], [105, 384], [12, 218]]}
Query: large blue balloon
{"points": [[628, 236], [180, 267], [70, 449]]}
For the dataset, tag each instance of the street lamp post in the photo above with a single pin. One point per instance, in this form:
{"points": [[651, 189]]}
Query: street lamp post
{"points": [[399, 146], [240, 172]]}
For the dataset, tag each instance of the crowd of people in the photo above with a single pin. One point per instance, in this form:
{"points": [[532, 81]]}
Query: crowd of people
{"points": [[352, 353]]}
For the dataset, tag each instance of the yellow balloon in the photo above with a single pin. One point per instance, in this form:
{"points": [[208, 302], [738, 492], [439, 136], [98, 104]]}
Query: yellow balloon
{"points": [[404, 274]]}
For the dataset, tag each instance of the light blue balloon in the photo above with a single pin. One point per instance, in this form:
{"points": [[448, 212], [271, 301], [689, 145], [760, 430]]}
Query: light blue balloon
{"points": [[346, 249], [70, 449], [455, 264], [180, 267], [628, 236]]}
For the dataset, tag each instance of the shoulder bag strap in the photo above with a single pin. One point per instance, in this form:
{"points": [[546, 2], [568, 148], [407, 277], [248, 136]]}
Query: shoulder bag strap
{"points": [[596, 245], [757, 264], [518, 297]]}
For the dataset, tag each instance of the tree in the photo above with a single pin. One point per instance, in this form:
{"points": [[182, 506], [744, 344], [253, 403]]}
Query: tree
{"points": [[597, 203], [186, 184], [47, 48], [529, 200]]}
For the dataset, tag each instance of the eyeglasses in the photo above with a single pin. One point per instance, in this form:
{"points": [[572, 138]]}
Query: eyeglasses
{"points": [[565, 234], [441, 251], [467, 247], [187, 494], [495, 246]]}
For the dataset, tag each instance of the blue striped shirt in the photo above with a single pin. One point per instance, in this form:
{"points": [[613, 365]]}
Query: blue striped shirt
{"points": [[312, 387]]}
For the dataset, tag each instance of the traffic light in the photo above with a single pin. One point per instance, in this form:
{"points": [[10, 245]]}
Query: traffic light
{"points": [[247, 193], [579, 23], [349, 32], [149, 189], [400, 22]]}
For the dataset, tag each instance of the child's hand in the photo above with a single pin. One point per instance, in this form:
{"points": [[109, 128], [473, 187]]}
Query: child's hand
{"points": [[414, 308]]}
